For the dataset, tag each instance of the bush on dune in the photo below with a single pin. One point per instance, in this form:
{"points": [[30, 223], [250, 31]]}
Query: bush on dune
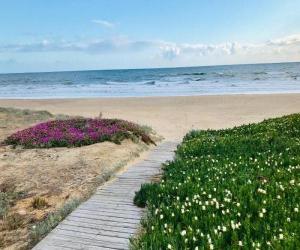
{"points": [[228, 189], [77, 132]]}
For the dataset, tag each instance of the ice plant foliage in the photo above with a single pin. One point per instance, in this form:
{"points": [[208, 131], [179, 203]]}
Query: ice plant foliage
{"points": [[229, 189], [77, 132]]}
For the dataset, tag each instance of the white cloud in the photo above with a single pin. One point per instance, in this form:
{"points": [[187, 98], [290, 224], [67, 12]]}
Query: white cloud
{"points": [[175, 53], [104, 23], [286, 41], [170, 51], [284, 46], [101, 45]]}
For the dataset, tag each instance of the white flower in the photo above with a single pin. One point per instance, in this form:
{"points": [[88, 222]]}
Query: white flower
{"points": [[268, 243], [262, 191], [292, 182], [288, 219], [240, 243], [261, 215], [169, 246], [224, 229], [264, 210], [161, 216], [183, 233], [281, 236], [211, 246], [296, 209]]}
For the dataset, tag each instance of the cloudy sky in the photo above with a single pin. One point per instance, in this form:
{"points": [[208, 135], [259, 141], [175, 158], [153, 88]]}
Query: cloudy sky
{"points": [[62, 35]]}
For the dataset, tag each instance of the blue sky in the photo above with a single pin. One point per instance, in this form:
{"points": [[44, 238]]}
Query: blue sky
{"points": [[102, 34]]}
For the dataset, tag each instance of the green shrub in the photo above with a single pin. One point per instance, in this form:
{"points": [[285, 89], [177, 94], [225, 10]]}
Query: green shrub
{"points": [[142, 196], [4, 204], [229, 189]]}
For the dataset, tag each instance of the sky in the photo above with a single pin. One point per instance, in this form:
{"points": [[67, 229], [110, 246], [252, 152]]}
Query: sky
{"points": [[61, 35]]}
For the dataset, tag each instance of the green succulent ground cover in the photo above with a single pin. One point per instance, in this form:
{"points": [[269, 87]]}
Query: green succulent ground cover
{"points": [[228, 189]]}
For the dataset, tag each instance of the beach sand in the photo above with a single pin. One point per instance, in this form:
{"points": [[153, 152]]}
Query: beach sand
{"points": [[173, 117]]}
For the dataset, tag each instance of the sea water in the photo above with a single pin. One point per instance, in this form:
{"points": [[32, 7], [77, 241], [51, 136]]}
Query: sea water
{"points": [[206, 80]]}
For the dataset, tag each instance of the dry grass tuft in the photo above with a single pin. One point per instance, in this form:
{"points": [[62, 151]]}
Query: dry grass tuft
{"points": [[39, 202]]}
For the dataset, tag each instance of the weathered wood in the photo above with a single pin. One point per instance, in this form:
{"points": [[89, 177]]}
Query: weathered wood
{"points": [[109, 218], [100, 228]]}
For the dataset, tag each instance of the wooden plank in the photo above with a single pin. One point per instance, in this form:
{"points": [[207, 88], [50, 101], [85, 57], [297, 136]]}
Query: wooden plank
{"points": [[62, 240], [110, 228], [99, 232], [107, 212], [103, 222], [78, 214]]}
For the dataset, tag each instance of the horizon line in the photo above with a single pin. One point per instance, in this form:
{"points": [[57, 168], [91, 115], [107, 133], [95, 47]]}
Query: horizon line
{"points": [[150, 68]]}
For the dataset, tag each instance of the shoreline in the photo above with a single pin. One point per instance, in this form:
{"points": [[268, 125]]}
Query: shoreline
{"points": [[172, 116], [150, 96]]}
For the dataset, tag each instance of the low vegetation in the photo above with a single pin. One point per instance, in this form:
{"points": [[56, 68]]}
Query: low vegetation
{"points": [[77, 132], [42, 228], [42, 180], [39, 203], [8, 196], [228, 189]]}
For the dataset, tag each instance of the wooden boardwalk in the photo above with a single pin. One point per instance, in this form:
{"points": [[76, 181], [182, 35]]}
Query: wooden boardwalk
{"points": [[109, 218]]}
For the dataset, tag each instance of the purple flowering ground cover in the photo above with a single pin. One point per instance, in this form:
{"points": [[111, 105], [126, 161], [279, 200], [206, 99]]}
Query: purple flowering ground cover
{"points": [[77, 132]]}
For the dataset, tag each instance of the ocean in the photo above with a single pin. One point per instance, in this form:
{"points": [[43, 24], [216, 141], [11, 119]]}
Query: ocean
{"points": [[206, 80]]}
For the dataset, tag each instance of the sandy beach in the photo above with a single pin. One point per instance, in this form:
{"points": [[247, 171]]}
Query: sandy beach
{"points": [[172, 117]]}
